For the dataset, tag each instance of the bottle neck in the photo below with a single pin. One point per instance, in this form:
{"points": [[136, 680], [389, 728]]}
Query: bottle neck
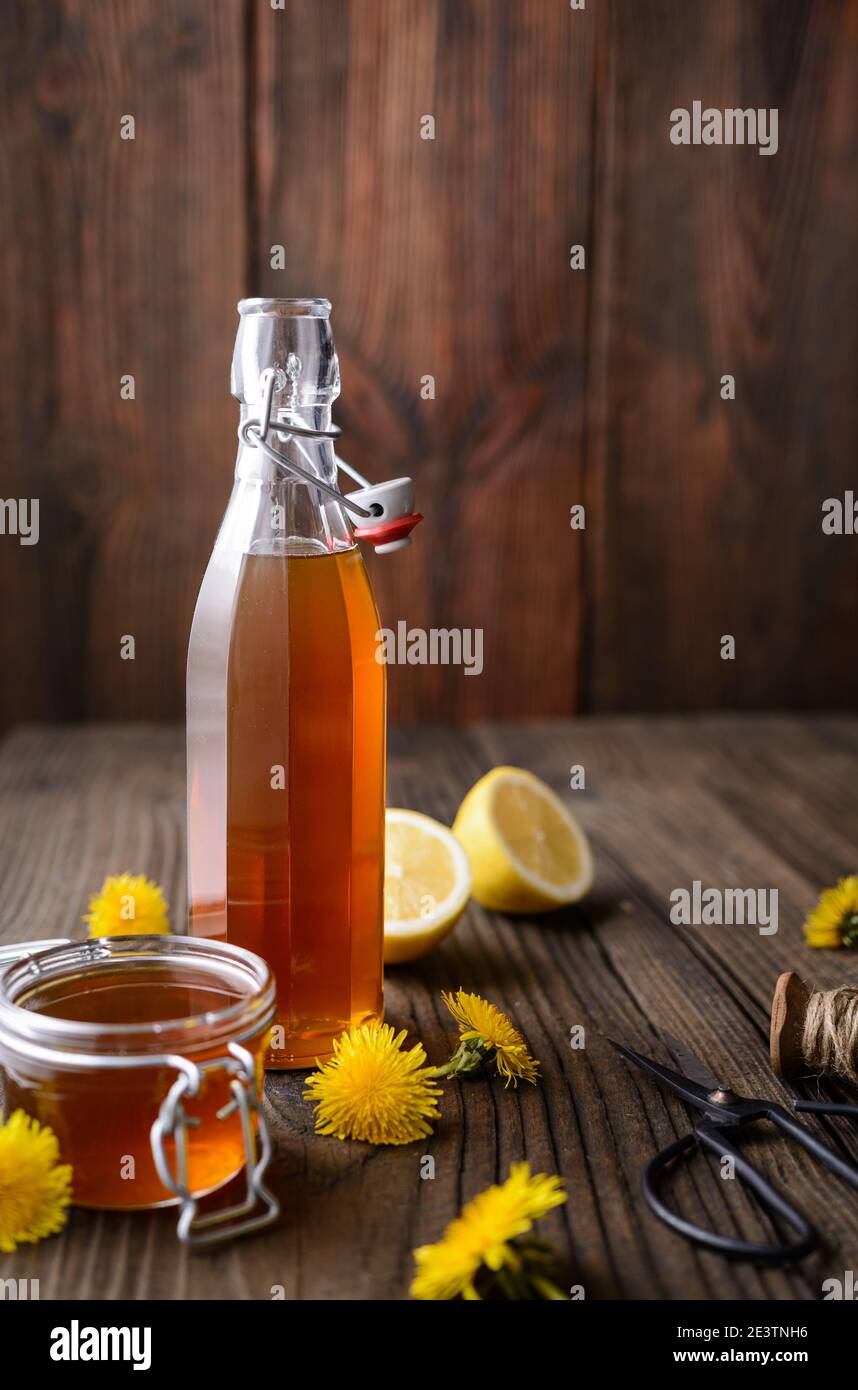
{"points": [[312, 455], [285, 369], [285, 513]]}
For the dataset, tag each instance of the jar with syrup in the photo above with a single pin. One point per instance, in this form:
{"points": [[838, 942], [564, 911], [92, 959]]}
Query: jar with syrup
{"points": [[144, 1056]]}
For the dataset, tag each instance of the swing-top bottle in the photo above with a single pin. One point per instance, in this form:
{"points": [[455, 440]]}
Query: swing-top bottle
{"points": [[286, 706]]}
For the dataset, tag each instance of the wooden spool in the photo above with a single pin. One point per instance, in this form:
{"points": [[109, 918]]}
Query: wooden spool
{"points": [[789, 1010]]}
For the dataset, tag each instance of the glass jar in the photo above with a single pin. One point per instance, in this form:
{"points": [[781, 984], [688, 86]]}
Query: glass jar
{"points": [[144, 1055]]}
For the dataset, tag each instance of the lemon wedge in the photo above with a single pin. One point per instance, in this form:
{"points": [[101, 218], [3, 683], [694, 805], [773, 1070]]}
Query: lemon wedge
{"points": [[527, 851], [427, 883]]}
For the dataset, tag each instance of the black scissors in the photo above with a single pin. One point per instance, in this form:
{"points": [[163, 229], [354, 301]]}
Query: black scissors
{"points": [[724, 1116]]}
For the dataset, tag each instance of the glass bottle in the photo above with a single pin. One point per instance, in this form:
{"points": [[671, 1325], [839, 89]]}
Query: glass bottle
{"points": [[286, 708]]}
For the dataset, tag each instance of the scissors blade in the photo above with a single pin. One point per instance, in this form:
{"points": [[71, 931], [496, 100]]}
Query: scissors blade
{"points": [[683, 1086], [692, 1066]]}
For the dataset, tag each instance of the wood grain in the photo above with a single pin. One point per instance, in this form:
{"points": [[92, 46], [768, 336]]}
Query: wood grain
{"points": [[730, 801], [120, 257], [448, 257], [711, 261]]}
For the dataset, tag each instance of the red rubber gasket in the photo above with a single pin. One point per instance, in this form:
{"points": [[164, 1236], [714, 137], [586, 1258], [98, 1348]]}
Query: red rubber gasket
{"points": [[389, 530]]}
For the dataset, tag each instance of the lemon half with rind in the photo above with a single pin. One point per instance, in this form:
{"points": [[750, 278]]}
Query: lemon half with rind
{"points": [[427, 883], [526, 849]]}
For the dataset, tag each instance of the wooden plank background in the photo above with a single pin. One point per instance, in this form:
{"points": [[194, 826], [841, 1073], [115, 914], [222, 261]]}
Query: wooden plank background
{"points": [[300, 127], [731, 801]]}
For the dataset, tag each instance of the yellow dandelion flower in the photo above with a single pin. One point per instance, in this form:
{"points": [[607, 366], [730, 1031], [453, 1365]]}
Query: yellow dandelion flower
{"points": [[834, 920], [486, 1035], [372, 1090], [35, 1188], [128, 905], [486, 1240]]}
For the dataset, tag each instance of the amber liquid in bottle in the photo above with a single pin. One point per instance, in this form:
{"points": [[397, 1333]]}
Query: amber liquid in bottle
{"points": [[305, 791]]}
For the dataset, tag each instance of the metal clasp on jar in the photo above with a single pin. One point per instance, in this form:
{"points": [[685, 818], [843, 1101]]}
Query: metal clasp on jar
{"points": [[173, 1123]]}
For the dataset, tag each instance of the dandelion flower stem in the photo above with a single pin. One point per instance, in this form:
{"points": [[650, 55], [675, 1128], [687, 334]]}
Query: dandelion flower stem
{"points": [[468, 1059]]}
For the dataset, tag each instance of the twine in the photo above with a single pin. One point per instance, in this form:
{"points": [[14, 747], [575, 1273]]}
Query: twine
{"points": [[830, 1036]]}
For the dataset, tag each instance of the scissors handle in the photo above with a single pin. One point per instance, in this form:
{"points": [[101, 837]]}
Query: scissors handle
{"points": [[715, 1138], [826, 1107], [795, 1129]]}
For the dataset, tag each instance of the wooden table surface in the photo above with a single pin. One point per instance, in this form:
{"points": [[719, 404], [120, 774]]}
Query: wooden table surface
{"points": [[733, 802]]}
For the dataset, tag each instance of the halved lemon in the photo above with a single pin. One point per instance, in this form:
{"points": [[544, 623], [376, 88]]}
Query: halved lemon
{"points": [[427, 883], [527, 851]]}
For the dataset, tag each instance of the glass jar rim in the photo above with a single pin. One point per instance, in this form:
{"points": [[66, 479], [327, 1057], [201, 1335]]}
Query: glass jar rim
{"points": [[20, 1026]]}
